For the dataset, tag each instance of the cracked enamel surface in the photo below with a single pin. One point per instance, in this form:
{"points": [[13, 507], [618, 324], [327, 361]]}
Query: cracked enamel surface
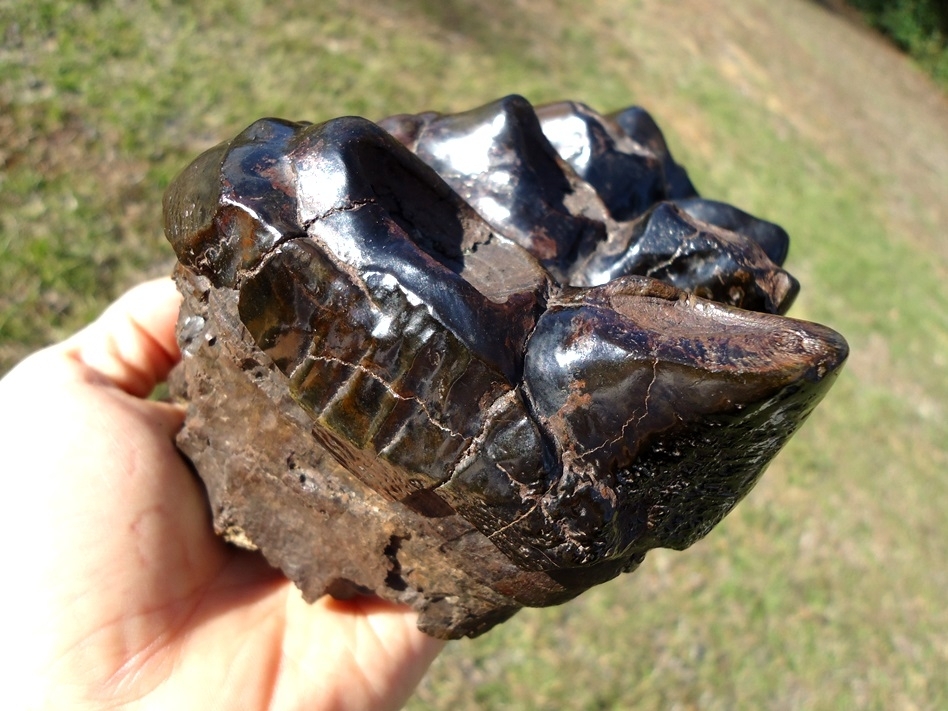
{"points": [[524, 320]]}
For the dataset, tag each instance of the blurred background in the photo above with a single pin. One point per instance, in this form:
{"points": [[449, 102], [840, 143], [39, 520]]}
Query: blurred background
{"points": [[826, 588]]}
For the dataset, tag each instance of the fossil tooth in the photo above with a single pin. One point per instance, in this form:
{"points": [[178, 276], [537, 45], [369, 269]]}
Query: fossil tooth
{"points": [[478, 361]]}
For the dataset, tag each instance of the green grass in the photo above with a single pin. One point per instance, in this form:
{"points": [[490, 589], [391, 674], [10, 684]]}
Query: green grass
{"points": [[825, 588]]}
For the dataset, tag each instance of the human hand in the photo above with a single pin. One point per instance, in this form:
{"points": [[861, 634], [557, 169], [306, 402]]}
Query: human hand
{"points": [[118, 593]]}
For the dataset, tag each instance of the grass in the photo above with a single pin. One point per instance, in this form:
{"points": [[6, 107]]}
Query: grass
{"points": [[825, 588]]}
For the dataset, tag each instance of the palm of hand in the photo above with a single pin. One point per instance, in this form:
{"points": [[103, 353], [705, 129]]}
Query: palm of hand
{"points": [[128, 598]]}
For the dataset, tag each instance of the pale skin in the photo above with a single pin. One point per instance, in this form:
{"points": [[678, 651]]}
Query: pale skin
{"points": [[123, 596]]}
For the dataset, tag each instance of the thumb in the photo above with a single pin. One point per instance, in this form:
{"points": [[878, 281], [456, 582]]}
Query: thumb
{"points": [[132, 344]]}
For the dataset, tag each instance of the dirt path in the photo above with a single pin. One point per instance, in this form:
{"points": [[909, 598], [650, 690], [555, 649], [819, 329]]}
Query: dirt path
{"points": [[837, 85]]}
